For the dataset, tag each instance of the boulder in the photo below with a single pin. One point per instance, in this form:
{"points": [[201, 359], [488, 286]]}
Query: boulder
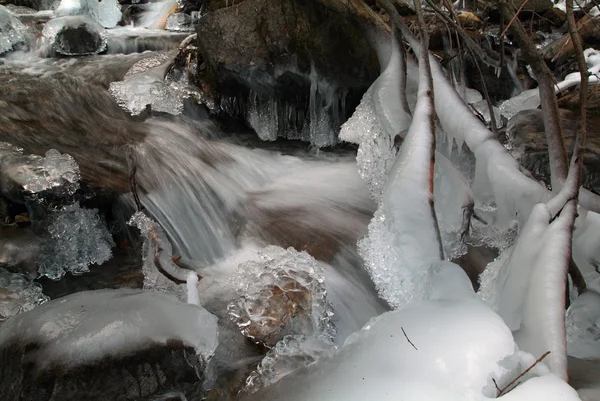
{"points": [[76, 35], [106, 345], [297, 58]]}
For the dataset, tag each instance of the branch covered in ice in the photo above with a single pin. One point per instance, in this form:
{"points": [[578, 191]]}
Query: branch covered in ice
{"points": [[160, 250]]}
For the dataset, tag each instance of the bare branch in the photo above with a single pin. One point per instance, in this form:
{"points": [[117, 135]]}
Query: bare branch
{"points": [[408, 339], [545, 78], [492, 62], [508, 387]]}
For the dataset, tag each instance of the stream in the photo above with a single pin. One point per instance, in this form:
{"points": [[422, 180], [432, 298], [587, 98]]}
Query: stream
{"points": [[157, 244]]}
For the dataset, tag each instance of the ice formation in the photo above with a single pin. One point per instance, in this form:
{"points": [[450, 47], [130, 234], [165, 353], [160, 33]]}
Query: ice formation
{"points": [[530, 99], [375, 126], [35, 176], [13, 34], [160, 270], [583, 326], [148, 84], [105, 12], [74, 36], [282, 293], [293, 352], [18, 294], [86, 327], [446, 349], [179, 22], [77, 238]]}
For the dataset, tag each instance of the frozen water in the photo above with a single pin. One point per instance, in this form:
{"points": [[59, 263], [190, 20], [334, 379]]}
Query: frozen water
{"points": [[526, 285], [18, 294], [263, 117], [443, 350], [13, 34], [376, 152], [583, 326], [149, 85], [78, 238], [56, 173], [283, 293], [179, 22], [530, 99], [160, 271], [74, 35], [85, 327], [483, 110], [289, 355], [105, 12]]}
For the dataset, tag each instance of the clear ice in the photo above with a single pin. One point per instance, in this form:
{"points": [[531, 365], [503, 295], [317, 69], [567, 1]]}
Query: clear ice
{"points": [[18, 294], [179, 22], [56, 173], [13, 33], [583, 326], [283, 293], [148, 83], [77, 238]]}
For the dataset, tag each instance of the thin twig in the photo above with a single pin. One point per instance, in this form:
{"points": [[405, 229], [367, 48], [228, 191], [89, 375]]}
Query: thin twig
{"points": [[496, 384], [512, 20], [492, 62], [559, 165], [133, 184], [408, 339], [507, 388]]}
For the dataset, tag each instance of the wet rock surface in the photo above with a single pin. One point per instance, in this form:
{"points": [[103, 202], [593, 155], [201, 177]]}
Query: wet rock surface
{"points": [[280, 55], [62, 113], [528, 144]]}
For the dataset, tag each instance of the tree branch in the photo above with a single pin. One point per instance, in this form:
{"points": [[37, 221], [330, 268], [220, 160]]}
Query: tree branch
{"points": [[545, 78]]}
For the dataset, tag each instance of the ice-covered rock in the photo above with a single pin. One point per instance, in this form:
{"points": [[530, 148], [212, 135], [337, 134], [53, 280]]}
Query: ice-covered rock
{"points": [[583, 326], [289, 355], [443, 350], [281, 294], [106, 12], [106, 344], [179, 22], [13, 34], [18, 294], [77, 239], [149, 87], [74, 35], [26, 176]]}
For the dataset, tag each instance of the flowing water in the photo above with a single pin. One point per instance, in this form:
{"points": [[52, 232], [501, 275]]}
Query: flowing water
{"points": [[126, 180]]}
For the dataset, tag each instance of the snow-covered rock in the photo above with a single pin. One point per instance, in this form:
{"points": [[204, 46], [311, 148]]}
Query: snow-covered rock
{"points": [[74, 35], [106, 344], [13, 34]]}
